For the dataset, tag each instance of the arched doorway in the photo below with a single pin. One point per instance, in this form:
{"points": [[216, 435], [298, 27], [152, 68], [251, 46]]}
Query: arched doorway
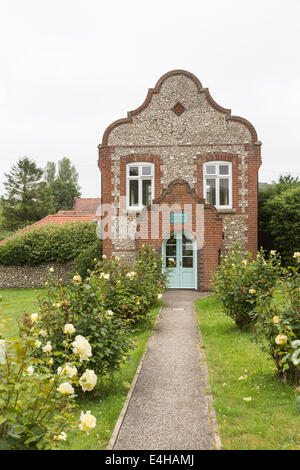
{"points": [[180, 253]]}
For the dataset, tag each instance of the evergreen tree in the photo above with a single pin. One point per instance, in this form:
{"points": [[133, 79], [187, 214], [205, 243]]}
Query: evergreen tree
{"points": [[62, 184], [27, 197]]}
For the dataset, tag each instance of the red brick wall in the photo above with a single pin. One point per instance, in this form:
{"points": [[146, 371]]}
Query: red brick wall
{"points": [[212, 228]]}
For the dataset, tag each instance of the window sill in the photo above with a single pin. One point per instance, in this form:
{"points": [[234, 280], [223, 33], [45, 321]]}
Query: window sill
{"points": [[226, 211]]}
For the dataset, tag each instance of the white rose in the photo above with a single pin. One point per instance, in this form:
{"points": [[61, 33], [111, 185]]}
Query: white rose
{"points": [[88, 380], [104, 276], [87, 421], [77, 278], [34, 317], [65, 388], [2, 352], [69, 329], [47, 348], [43, 333], [68, 370], [37, 343], [82, 347], [61, 437], [159, 296], [30, 370]]}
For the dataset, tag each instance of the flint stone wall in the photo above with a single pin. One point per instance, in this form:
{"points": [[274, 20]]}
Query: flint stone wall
{"points": [[33, 276]]}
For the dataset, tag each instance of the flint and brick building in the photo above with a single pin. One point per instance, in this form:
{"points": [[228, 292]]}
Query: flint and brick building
{"points": [[180, 173]]}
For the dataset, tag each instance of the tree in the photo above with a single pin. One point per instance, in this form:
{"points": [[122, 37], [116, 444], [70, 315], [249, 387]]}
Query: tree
{"points": [[283, 211], [27, 197], [62, 184], [49, 173], [279, 215]]}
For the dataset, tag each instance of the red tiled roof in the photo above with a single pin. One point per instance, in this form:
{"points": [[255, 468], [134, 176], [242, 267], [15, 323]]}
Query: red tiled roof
{"points": [[62, 217]]}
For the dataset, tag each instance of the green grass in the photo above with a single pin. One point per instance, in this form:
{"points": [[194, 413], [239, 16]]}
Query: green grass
{"points": [[107, 400], [270, 420], [15, 302]]}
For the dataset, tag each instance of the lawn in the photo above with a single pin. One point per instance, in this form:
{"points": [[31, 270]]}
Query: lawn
{"points": [[16, 302], [107, 400], [270, 420]]}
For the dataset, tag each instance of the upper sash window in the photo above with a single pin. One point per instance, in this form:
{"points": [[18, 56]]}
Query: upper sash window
{"points": [[139, 185], [217, 187]]}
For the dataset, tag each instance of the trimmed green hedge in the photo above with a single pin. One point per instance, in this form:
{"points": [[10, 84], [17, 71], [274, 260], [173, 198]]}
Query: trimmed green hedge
{"points": [[88, 258], [51, 242]]}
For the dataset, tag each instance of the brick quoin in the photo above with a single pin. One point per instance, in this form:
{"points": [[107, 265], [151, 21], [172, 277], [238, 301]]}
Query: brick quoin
{"points": [[178, 145]]}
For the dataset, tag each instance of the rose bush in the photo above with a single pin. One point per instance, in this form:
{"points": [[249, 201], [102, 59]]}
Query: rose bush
{"points": [[239, 280], [277, 323], [37, 400], [130, 291], [80, 306]]}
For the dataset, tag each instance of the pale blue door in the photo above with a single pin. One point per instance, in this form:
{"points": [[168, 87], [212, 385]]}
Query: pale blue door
{"points": [[179, 257]]}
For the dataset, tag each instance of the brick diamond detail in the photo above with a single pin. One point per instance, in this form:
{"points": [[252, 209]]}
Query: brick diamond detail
{"points": [[178, 109]]}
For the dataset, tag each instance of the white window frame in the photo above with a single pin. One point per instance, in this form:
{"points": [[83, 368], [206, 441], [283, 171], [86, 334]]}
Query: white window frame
{"points": [[217, 177], [140, 178]]}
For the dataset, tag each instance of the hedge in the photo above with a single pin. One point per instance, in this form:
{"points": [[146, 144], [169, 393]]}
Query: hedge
{"points": [[87, 259], [51, 242]]}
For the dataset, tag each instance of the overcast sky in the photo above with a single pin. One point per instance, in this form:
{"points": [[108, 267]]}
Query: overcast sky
{"points": [[68, 68]]}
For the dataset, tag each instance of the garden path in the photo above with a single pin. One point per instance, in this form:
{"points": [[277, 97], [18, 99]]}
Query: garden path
{"points": [[170, 406]]}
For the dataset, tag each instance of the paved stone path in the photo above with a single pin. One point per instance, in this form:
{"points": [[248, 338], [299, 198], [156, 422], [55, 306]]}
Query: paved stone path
{"points": [[169, 406]]}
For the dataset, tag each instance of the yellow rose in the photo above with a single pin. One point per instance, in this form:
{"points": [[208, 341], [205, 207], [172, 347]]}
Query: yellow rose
{"points": [[276, 319], [252, 291], [281, 339], [87, 421], [88, 380], [77, 278], [69, 329], [47, 348], [65, 388], [82, 347], [34, 317]]}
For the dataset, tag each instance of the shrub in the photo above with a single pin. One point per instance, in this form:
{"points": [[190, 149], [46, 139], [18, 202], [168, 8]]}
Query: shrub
{"points": [[87, 259], [37, 401], [239, 280], [49, 242], [277, 324], [130, 291], [82, 304]]}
